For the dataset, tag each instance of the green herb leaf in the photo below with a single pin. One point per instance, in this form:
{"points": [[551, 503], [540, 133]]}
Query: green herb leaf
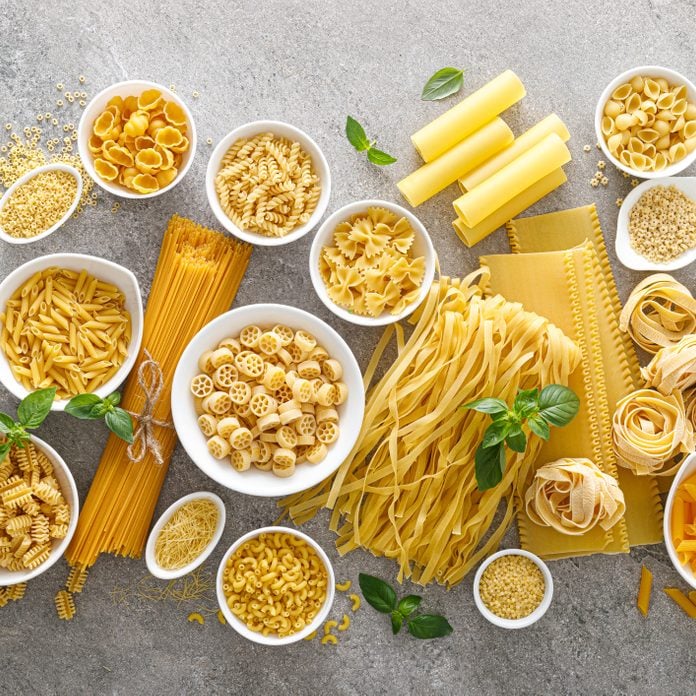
{"points": [[442, 84], [378, 594], [526, 402], [408, 605], [495, 433], [114, 399], [489, 466], [34, 408], [516, 440], [539, 427], [81, 406], [429, 626], [558, 404], [488, 405], [120, 424], [6, 423], [397, 621], [380, 158], [5, 447], [356, 135], [99, 410]]}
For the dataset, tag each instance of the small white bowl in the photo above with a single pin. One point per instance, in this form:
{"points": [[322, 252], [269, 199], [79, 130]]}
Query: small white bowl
{"points": [[98, 104], [239, 626], [527, 620], [628, 256], [422, 246], [57, 167], [163, 573], [69, 489], [688, 468], [674, 78], [102, 269], [285, 130], [254, 481]]}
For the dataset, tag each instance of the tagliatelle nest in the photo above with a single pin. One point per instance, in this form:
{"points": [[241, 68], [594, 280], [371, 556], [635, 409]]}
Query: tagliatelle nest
{"points": [[673, 367]]}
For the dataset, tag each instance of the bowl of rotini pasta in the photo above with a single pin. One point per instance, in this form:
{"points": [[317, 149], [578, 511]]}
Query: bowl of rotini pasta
{"points": [[372, 263], [261, 572], [39, 508], [268, 183], [69, 321], [645, 122]]}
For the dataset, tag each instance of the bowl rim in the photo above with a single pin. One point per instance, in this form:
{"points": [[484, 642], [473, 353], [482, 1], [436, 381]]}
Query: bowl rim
{"points": [[274, 641], [83, 136], [321, 238], [58, 550], [13, 279], [671, 75], [526, 620], [54, 166], [687, 468], [321, 166], [179, 386], [164, 574]]}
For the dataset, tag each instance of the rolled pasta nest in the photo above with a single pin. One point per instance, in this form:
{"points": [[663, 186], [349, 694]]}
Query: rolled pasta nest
{"points": [[650, 430], [690, 407], [659, 312], [673, 367], [573, 496]]}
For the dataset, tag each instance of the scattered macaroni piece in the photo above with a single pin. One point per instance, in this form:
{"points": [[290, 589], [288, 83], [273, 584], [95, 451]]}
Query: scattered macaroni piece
{"points": [[329, 639], [311, 636], [221, 617], [682, 601], [355, 599], [329, 626], [345, 623], [65, 605], [644, 590], [512, 586], [195, 616], [344, 586]]}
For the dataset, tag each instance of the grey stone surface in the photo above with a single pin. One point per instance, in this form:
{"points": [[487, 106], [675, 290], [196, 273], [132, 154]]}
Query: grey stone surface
{"points": [[311, 63]]}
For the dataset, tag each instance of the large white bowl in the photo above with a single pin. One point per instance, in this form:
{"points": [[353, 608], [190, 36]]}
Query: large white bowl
{"points": [[239, 626], [98, 104], [688, 468], [56, 167], [102, 269], [674, 78], [254, 481], [321, 168], [67, 484], [422, 246]]}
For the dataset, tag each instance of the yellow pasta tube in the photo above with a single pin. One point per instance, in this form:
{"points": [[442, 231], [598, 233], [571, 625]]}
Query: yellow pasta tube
{"points": [[548, 125], [468, 116], [531, 166], [437, 175], [644, 589], [528, 197]]}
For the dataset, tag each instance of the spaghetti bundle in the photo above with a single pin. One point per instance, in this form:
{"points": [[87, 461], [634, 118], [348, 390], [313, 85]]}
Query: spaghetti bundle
{"points": [[196, 279], [408, 489]]}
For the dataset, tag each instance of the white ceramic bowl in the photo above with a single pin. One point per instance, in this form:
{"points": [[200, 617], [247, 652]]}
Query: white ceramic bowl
{"points": [[57, 167], [157, 570], [255, 481], [527, 620], [102, 269], [674, 78], [626, 254], [688, 468], [67, 485], [240, 626], [321, 168], [422, 246], [98, 104]]}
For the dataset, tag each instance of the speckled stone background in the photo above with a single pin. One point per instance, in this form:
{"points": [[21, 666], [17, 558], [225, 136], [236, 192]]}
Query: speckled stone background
{"points": [[311, 63]]}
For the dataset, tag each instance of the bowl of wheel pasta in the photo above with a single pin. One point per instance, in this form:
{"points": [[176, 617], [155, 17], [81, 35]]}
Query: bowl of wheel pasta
{"points": [[268, 400]]}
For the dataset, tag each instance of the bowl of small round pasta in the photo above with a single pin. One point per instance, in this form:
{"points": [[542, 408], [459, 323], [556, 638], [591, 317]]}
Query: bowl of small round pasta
{"points": [[268, 400]]}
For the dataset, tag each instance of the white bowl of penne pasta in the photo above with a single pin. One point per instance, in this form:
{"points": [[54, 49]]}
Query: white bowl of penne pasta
{"points": [[674, 521], [72, 321], [636, 129], [287, 210]]}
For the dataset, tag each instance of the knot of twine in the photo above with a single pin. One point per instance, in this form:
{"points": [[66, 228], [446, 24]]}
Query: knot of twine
{"points": [[151, 381]]}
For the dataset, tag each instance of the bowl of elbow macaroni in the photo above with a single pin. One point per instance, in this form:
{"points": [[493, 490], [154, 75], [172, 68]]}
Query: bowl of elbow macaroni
{"points": [[275, 586]]}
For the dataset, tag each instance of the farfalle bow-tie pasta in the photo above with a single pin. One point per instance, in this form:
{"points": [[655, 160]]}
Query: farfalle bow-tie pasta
{"points": [[573, 496]]}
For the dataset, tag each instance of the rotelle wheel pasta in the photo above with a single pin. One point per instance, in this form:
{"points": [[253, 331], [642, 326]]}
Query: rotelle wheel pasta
{"points": [[673, 367]]}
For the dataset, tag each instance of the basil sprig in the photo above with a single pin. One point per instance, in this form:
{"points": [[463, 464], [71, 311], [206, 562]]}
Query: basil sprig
{"points": [[442, 84], [554, 405], [381, 596], [358, 139], [31, 413], [92, 407]]}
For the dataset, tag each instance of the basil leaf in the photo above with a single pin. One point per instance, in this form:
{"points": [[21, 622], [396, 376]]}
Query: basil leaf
{"points": [[489, 466], [120, 424], [488, 405], [443, 83], [397, 621], [114, 399], [495, 433], [558, 404], [356, 135], [516, 440], [380, 158], [429, 626], [539, 427], [526, 402], [408, 605], [378, 594], [81, 406], [6, 423], [99, 410], [34, 408], [5, 447]]}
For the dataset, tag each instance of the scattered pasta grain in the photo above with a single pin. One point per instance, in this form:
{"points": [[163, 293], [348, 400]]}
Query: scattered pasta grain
{"points": [[355, 599], [587, 148], [195, 616], [343, 586], [332, 639]]}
